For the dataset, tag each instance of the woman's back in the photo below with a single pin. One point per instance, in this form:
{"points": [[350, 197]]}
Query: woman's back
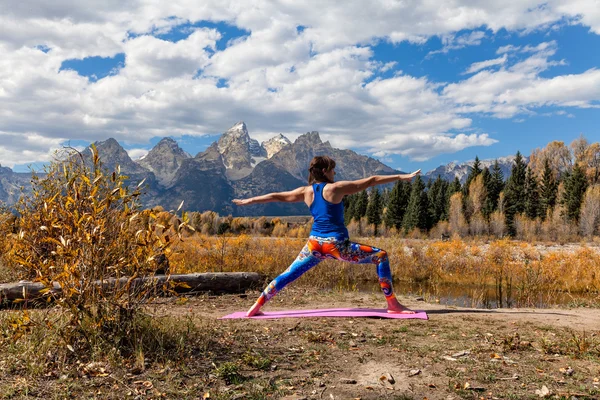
{"points": [[328, 217]]}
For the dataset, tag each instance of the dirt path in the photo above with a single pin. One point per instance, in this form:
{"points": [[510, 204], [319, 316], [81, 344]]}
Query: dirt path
{"points": [[587, 319], [457, 353]]}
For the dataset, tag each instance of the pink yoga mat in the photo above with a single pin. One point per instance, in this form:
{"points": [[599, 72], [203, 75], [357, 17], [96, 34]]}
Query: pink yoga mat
{"points": [[332, 312]]}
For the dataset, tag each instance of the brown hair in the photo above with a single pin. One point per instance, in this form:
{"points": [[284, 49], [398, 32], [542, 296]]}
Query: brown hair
{"points": [[317, 165]]}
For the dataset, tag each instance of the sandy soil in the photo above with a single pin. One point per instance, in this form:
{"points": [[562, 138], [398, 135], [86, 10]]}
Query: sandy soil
{"points": [[457, 353]]}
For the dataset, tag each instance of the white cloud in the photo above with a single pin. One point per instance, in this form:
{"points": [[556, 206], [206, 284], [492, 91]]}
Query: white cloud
{"points": [[478, 66], [520, 88], [421, 147], [507, 49], [279, 78], [452, 42]]}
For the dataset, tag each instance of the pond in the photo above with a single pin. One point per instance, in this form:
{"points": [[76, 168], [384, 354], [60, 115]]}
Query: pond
{"points": [[475, 296]]}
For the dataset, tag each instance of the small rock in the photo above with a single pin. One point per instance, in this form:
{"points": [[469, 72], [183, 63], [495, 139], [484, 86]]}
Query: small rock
{"points": [[348, 381], [390, 379], [543, 392], [420, 299], [461, 354], [414, 372], [352, 343], [567, 371], [342, 333]]}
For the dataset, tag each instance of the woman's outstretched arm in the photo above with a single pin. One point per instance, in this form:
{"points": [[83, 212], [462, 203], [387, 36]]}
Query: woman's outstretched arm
{"points": [[343, 188], [293, 196]]}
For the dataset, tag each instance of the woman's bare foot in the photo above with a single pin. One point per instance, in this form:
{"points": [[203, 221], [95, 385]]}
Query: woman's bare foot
{"points": [[254, 310], [394, 307], [403, 310]]}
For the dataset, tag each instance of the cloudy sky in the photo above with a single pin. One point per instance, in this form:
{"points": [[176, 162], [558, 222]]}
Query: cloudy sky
{"points": [[413, 83]]}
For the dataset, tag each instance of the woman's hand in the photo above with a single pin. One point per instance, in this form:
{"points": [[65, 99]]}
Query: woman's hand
{"points": [[410, 176], [241, 202], [413, 174]]}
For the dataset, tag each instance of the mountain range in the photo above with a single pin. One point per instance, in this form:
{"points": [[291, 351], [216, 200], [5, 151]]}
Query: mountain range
{"points": [[234, 166]]}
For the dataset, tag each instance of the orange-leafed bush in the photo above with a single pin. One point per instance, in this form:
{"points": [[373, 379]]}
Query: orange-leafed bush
{"points": [[7, 226], [83, 229]]}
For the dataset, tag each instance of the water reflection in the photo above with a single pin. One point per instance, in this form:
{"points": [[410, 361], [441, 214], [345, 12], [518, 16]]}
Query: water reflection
{"points": [[475, 296]]}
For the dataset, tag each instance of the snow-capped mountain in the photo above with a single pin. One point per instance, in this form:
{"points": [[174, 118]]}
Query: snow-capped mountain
{"points": [[461, 170]]}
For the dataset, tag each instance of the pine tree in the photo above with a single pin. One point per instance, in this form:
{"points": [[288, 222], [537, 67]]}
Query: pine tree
{"points": [[487, 178], [532, 195], [374, 209], [360, 209], [473, 172], [437, 196], [494, 187], [454, 187], [416, 215], [514, 199], [548, 190], [575, 187], [397, 204], [349, 208]]}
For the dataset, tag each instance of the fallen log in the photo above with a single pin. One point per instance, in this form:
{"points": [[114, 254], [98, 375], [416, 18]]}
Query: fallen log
{"points": [[213, 282]]}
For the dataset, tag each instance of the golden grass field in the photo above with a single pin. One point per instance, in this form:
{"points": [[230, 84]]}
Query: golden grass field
{"points": [[519, 272]]}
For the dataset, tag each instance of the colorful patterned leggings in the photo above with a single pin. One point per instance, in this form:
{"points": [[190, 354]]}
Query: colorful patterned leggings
{"points": [[318, 249]]}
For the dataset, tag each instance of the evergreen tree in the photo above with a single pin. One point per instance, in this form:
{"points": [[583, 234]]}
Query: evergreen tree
{"points": [[397, 204], [349, 208], [548, 189], [360, 209], [454, 187], [575, 186], [494, 187], [514, 199], [532, 195], [437, 196], [374, 209], [487, 178], [416, 215], [474, 171]]}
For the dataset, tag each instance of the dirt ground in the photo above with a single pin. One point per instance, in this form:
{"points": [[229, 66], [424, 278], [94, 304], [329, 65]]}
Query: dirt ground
{"points": [[457, 353]]}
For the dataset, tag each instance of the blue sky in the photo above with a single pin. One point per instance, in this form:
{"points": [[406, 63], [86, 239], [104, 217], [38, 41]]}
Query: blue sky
{"points": [[408, 83]]}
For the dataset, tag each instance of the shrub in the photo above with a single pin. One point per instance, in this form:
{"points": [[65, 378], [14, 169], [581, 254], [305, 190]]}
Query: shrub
{"points": [[82, 228]]}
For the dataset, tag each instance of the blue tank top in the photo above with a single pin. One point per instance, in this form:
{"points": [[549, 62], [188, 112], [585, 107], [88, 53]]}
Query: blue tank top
{"points": [[328, 217]]}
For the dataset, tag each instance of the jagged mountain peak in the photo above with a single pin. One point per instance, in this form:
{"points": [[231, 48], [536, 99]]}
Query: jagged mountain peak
{"points": [[461, 170], [239, 130], [239, 152], [275, 144], [164, 160], [309, 138]]}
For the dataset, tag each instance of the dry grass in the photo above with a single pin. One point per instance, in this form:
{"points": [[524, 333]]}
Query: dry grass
{"points": [[521, 273], [185, 353]]}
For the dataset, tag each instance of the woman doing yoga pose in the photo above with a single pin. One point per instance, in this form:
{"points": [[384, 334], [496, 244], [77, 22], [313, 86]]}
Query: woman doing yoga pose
{"points": [[329, 236]]}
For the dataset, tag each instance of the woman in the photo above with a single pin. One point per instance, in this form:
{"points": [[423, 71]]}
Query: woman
{"points": [[329, 236]]}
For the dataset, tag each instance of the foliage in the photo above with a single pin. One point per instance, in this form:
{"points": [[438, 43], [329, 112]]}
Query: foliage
{"points": [[575, 186], [438, 200], [589, 220], [398, 201], [416, 215], [532, 195], [374, 209], [494, 187], [362, 203], [514, 200], [81, 228], [548, 190]]}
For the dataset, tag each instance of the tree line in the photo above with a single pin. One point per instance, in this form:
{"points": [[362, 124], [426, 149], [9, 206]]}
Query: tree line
{"points": [[556, 194]]}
